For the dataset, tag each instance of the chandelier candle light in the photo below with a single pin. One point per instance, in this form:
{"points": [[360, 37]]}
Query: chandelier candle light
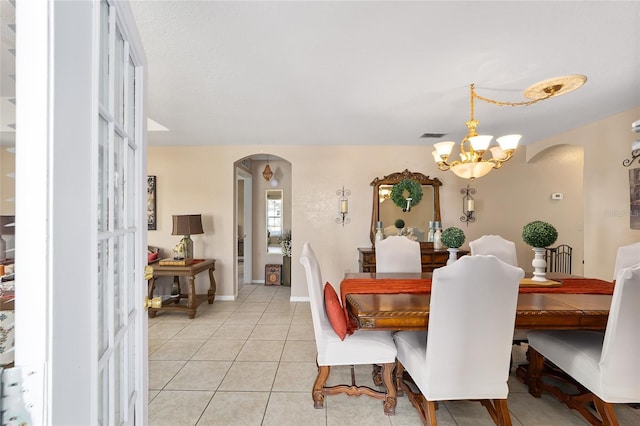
{"points": [[473, 146]]}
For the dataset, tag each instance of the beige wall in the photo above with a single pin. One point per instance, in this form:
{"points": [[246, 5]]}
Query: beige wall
{"points": [[7, 183], [201, 180]]}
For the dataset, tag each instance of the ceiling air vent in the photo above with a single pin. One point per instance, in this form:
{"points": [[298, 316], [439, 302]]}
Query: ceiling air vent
{"points": [[433, 135]]}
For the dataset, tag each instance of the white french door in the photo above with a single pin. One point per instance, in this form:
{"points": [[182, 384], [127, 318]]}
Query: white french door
{"points": [[119, 183], [80, 173]]}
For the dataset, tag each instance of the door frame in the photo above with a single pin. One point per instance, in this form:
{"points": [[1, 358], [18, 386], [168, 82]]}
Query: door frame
{"points": [[56, 340], [247, 196]]}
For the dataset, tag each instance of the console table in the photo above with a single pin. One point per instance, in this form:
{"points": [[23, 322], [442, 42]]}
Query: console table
{"points": [[193, 300], [431, 258]]}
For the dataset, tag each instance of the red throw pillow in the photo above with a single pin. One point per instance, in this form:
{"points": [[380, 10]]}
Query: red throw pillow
{"points": [[334, 311], [151, 257]]}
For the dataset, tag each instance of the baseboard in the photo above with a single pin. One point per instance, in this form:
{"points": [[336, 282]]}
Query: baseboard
{"points": [[225, 298]]}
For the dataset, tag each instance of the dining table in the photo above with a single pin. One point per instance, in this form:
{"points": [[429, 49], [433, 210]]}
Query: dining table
{"points": [[400, 301]]}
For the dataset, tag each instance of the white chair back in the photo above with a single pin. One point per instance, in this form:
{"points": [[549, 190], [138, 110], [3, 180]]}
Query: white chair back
{"points": [[321, 325], [398, 254], [497, 246], [619, 361], [627, 256], [468, 344]]}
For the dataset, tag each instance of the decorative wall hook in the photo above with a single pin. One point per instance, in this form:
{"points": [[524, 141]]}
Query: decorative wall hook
{"points": [[468, 205], [343, 203], [634, 155]]}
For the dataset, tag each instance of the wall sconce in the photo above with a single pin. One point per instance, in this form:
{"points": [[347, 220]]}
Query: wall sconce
{"points": [[468, 205], [635, 146], [343, 203]]}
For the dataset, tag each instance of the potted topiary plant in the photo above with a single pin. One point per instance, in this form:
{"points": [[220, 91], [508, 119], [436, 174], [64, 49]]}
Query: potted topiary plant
{"points": [[539, 235], [452, 238], [399, 223]]}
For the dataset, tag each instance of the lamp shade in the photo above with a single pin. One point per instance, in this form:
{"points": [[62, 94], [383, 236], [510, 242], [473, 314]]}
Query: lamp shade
{"points": [[187, 224]]}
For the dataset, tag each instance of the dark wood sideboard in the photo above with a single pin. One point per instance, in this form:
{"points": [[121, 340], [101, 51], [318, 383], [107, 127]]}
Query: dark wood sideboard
{"points": [[431, 259]]}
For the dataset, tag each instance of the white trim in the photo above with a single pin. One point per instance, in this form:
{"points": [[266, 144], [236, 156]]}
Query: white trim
{"points": [[226, 298], [33, 345]]}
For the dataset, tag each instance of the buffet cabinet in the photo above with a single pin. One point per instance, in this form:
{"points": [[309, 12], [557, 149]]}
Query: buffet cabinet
{"points": [[431, 258]]}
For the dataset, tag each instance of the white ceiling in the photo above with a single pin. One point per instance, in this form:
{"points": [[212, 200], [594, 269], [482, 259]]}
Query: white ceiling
{"points": [[359, 72], [382, 72]]}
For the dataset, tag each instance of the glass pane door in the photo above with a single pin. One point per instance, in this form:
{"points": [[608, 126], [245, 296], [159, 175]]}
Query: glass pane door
{"points": [[117, 227]]}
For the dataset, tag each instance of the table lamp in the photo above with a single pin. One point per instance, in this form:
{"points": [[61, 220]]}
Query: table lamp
{"points": [[187, 225]]}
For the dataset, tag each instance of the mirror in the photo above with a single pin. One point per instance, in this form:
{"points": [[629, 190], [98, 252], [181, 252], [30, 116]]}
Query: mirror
{"points": [[274, 220], [418, 217]]}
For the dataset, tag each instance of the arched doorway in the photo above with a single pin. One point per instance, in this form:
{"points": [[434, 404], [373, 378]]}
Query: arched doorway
{"points": [[258, 178]]}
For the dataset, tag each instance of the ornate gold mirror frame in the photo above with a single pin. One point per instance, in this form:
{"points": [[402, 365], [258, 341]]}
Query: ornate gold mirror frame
{"points": [[381, 191]]}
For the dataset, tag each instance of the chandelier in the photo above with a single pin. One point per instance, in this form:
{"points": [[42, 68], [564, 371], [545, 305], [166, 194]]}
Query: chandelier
{"points": [[473, 146]]}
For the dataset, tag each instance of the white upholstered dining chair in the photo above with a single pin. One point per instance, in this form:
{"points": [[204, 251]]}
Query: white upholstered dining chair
{"points": [[436, 359], [362, 347], [398, 254], [504, 250], [627, 256], [501, 248], [605, 366]]}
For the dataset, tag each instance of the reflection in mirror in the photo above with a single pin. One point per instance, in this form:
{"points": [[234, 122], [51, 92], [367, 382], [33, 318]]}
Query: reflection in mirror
{"points": [[274, 220], [417, 218]]}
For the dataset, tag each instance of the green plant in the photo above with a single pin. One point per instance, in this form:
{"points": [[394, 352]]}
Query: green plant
{"points": [[412, 187], [399, 223], [285, 243], [452, 237], [539, 234]]}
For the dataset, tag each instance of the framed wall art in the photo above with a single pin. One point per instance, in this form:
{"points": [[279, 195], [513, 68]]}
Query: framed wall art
{"points": [[151, 203]]}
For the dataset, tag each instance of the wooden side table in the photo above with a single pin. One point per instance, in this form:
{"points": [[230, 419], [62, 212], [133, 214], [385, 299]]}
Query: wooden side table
{"points": [[193, 300]]}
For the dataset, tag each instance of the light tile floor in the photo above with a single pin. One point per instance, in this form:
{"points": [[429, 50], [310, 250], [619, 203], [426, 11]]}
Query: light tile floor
{"points": [[252, 362]]}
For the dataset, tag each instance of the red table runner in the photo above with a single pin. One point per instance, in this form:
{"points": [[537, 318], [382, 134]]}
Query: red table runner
{"points": [[423, 285]]}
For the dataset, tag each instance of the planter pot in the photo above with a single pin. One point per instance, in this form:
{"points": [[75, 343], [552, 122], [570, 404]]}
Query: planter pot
{"points": [[286, 271], [453, 255], [539, 265]]}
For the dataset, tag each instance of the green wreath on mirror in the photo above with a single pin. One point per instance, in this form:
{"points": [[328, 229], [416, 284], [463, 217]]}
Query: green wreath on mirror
{"points": [[412, 187]]}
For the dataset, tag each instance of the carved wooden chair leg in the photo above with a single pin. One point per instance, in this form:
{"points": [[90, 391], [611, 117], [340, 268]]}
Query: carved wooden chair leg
{"points": [[606, 412], [498, 411], [318, 386], [502, 412], [430, 414], [399, 377], [389, 383]]}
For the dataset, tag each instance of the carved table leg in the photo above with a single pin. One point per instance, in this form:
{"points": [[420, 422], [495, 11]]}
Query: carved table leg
{"points": [[211, 294], [151, 287], [534, 372], [191, 299], [376, 375]]}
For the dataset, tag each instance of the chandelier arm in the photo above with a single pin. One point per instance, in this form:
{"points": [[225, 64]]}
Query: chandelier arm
{"points": [[513, 104]]}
